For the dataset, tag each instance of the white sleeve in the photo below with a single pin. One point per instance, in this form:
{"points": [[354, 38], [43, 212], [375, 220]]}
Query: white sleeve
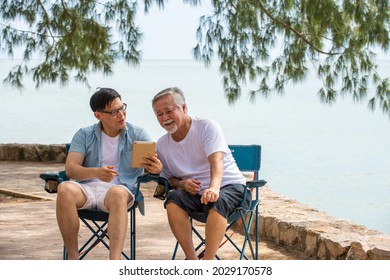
{"points": [[213, 138]]}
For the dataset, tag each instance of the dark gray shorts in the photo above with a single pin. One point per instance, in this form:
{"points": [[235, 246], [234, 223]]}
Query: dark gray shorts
{"points": [[230, 196]]}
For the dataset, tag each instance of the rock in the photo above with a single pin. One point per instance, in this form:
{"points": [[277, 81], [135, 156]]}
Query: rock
{"points": [[33, 152], [320, 236]]}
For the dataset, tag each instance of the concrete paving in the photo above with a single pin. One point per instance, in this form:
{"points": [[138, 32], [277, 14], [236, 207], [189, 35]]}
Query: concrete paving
{"points": [[29, 231]]}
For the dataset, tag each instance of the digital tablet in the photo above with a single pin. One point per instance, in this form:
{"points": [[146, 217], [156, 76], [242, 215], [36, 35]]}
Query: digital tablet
{"points": [[141, 149]]}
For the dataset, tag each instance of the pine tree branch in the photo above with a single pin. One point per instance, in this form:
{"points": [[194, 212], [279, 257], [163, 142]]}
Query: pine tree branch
{"points": [[296, 32]]}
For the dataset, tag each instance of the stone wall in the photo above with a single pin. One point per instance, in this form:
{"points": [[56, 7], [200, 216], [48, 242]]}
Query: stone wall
{"points": [[32, 152], [320, 236]]}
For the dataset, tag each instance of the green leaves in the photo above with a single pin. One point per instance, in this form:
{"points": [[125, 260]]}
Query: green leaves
{"points": [[264, 44], [334, 37], [71, 37]]}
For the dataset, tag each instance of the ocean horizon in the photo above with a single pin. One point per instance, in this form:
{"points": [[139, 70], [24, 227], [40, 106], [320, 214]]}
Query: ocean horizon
{"points": [[335, 158]]}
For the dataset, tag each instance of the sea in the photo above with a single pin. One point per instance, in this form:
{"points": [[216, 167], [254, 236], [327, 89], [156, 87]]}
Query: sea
{"points": [[335, 158]]}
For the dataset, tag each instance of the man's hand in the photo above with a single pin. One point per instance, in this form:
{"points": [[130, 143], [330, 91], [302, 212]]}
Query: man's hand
{"points": [[192, 186], [106, 173], [152, 164], [209, 195]]}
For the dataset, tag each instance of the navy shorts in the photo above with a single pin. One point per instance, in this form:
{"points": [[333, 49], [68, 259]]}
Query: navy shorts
{"points": [[230, 196]]}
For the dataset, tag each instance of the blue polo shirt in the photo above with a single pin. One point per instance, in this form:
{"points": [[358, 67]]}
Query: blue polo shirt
{"points": [[87, 141]]}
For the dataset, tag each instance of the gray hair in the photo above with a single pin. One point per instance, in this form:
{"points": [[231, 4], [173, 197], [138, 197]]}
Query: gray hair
{"points": [[177, 95]]}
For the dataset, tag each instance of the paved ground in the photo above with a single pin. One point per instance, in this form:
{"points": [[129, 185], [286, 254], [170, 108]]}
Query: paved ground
{"points": [[28, 227]]}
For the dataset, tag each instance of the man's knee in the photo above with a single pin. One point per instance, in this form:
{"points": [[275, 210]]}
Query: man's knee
{"points": [[172, 206], [67, 190], [214, 213], [69, 194], [174, 211], [117, 195], [176, 195], [176, 200]]}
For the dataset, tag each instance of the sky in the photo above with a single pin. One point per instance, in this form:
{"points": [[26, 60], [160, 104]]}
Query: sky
{"points": [[170, 33]]}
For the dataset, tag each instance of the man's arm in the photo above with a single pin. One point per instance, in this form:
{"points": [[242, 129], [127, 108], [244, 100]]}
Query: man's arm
{"points": [[216, 161], [191, 186], [75, 170]]}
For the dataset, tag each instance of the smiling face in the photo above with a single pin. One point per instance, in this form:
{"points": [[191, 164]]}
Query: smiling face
{"points": [[172, 118], [113, 117]]}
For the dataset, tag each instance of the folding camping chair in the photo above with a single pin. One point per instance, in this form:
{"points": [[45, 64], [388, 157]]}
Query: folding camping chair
{"points": [[248, 159], [96, 220]]}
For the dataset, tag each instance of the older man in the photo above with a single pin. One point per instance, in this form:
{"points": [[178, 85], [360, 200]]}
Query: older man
{"points": [[200, 167]]}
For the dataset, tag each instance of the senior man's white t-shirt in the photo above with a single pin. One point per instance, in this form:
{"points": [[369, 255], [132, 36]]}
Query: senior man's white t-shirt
{"points": [[187, 159]]}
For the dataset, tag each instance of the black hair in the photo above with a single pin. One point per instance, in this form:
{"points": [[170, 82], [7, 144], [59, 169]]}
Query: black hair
{"points": [[102, 97]]}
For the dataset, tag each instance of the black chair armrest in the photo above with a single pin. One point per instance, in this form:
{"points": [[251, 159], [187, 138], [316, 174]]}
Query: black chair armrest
{"points": [[54, 176], [52, 180], [256, 184], [145, 178], [250, 185], [50, 176]]}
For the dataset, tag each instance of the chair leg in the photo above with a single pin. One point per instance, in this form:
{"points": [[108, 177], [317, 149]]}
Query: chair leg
{"points": [[132, 234], [240, 250], [202, 242], [247, 236], [257, 232], [257, 223], [247, 239], [200, 255], [65, 254], [175, 251], [99, 233], [98, 236]]}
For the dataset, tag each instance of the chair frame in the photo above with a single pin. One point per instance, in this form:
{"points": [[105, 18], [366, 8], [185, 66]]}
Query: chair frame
{"points": [[99, 219], [98, 226], [248, 159]]}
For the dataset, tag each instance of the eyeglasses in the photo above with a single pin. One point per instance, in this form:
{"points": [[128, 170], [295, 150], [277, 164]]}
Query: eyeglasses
{"points": [[116, 112]]}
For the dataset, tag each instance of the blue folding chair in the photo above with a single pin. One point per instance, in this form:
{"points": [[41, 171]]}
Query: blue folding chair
{"points": [[248, 159], [96, 220]]}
